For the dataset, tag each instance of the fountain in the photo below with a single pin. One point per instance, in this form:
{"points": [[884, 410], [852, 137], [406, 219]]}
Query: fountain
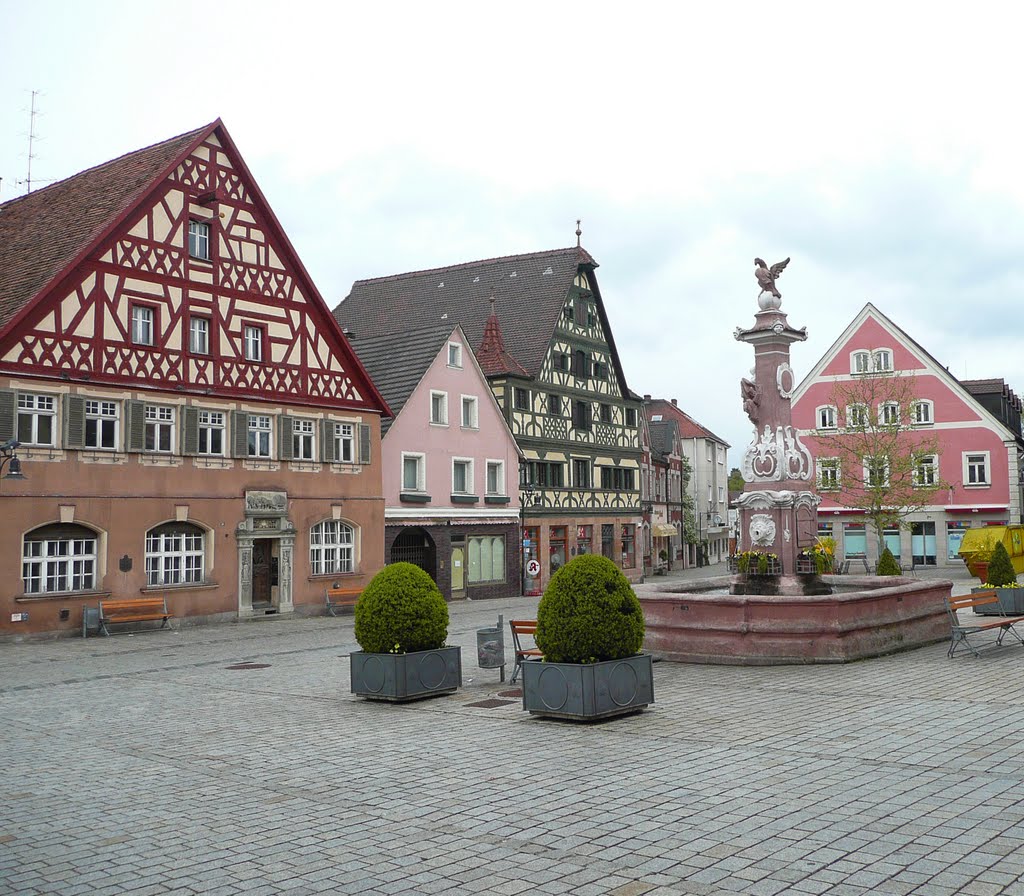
{"points": [[779, 611]]}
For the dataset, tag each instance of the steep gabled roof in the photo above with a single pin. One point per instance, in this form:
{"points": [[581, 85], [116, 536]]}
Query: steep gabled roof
{"points": [[688, 427], [530, 290], [44, 232]]}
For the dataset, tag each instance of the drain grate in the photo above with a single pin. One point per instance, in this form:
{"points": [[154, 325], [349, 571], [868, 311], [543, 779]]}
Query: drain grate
{"points": [[245, 667], [515, 692], [491, 703]]}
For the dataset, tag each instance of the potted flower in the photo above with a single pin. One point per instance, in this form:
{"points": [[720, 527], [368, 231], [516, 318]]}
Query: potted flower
{"points": [[590, 628], [401, 623], [1002, 578]]}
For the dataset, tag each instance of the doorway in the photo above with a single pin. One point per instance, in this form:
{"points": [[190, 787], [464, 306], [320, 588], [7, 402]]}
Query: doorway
{"points": [[262, 572], [458, 571], [414, 545]]}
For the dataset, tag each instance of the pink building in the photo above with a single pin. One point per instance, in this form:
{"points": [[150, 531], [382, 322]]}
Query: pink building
{"points": [[977, 426], [450, 463]]}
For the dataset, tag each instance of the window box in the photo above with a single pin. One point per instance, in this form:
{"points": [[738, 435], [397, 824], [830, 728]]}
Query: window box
{"points": [[465, 499], [413, 498], [497, 499]]}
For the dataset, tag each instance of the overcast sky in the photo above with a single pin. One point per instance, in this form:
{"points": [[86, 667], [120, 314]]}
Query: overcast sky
{"points": [[878, 145]]}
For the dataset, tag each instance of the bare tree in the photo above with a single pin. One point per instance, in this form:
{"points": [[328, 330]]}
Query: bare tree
{"points": [[876, 452]]}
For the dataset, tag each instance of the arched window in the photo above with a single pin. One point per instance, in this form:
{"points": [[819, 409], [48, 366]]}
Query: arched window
{"points": [[59, 557], [175, 554], [332, 548]]}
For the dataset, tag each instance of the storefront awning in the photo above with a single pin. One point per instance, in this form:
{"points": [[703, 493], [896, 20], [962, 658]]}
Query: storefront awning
{"points": [[663, 530]]}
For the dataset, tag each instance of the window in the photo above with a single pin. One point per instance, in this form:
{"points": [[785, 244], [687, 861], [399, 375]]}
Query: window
{"points": [[581, 364], [618, 479], [260, 430], [582, 414], [470, 419], [591, 315], [454, 354], [855, 540], [199, 240], [101, 418], [608, 540], [860, 362], [142, 325], [414, 472], [584, 539], [882, 360], [36, 416], [925, 470], [889, 414], [199, 335], [554, 404], [462, 477], [557, 548], [486, 558], [857, 416], [332, 548], [562, 362], [876, 472], [495, 477], [439, 408], [521, 399], [59, 557], [923, 413], [628, 546], [569, 312], [828, 473], [976, 469], [600, 370], [630, 416], [174, 554], [826, 418], [581, 473], [344, 442], [253, 343], [159, 422], [211, 432], [606, 413], [303, 432], [545, 474]]}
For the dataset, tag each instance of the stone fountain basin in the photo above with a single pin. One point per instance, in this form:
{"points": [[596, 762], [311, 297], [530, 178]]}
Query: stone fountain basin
{"points": [[866, 616]]}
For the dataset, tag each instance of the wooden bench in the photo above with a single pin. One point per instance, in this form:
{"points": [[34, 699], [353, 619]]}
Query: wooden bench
{"points": [[135, 609], [339, 599], [962, 633], [523, 628]]}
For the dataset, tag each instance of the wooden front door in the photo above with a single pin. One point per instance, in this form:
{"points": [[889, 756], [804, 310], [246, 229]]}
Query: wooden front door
{"points": [[458, 572], [261, 571]]}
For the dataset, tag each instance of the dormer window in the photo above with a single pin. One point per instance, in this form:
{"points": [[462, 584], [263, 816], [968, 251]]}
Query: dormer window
{"points": [[199, 240]]}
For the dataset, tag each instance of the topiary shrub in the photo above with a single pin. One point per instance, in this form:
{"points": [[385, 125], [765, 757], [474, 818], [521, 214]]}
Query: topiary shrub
{"points": [[887, 565], [1000, 568], [401, 611], [589, 613]]}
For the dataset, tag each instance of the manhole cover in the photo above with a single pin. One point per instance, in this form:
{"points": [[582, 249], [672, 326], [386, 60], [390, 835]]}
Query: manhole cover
{"points": [[491, 703], [516, 692], [247, 666]]}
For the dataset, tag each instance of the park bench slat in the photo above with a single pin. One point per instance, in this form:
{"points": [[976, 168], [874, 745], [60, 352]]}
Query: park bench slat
{"points": [[119, 611], [342, 599]]}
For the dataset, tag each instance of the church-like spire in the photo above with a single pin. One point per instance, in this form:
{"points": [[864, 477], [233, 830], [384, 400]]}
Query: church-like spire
{"points": [[491, 355]]}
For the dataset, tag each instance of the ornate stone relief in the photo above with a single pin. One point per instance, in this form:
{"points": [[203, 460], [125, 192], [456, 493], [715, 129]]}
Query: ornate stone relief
{"points": [[783, 374], [778, 455], [762, 529]]}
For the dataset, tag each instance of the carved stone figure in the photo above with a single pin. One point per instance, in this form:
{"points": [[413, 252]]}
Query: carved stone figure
{"points": [[766, 277], [751, 393], [762, 530]]}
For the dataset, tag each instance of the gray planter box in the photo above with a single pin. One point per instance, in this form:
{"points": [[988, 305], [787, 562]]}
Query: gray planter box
{"points": [[1010, 599], [406, 676], [588, 690]]}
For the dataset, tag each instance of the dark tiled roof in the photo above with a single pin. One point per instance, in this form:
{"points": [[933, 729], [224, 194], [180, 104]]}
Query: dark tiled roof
{"points": [[396, 362], [529, 291], [43, 232]]}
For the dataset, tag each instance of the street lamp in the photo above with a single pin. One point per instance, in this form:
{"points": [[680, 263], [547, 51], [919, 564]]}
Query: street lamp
{"points": [[10, 459]]}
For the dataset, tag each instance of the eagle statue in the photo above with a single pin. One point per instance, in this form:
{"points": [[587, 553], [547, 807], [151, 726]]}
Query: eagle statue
{"points": [[766, 276]]}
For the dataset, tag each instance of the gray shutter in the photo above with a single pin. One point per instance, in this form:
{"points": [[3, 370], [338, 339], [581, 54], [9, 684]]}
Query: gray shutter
{"points": [[240, 433], [285, 445], [327, 441], [365, 454], [7, 414], [135, 426], [74, 421], [190, 431]]}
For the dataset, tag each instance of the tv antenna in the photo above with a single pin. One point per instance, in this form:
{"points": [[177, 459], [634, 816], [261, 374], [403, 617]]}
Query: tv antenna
{"points": [[33, 112]]}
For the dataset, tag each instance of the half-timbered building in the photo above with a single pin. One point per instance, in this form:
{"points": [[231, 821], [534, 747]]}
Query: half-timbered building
{"points": [[188, 417], [546, 346]]}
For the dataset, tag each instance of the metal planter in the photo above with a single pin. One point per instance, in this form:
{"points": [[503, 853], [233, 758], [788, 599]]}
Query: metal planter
{"points": [[397, 677], [1011, 602], [588, 691]]}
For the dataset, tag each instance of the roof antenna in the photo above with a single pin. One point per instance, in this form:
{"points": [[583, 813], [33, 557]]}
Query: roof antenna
{"points": [[579, 233], [31, 139]]}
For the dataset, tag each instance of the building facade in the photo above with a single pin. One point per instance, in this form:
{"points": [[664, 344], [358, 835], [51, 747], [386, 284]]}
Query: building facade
{"points": [[663, 478], [189, 418]]}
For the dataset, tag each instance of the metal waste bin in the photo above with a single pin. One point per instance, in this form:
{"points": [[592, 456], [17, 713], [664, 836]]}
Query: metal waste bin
{"points": [[490, 647]]}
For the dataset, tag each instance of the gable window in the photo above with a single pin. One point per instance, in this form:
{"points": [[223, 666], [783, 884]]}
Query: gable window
{"points": [[562, 362], [199, 240], [889, 414], [174, 554], [521, 399], [495, 477], [303, 432], [581, 473], [36, 416], [454, 354], [142, 325], [828, 473], [554, 404], [606, 413], [827, 417], [414, 472], [57, 558], [470, 419], [630, 416], [568, 311], [925, 471], [344, 442], [876, 472], [462, 477], [199, 335], [253, 338], [860, 362], [582, 414], [581, 364], [857, 416], [439, 408], [600, 370], [332, 548], [882, 360], [159, 422], [976, 468], [211, 432], [260, 430], [923, 413], [101, 420], [591, 315]]}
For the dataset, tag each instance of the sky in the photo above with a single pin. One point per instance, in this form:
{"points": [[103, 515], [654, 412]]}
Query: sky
{"points": [[877, 145]]}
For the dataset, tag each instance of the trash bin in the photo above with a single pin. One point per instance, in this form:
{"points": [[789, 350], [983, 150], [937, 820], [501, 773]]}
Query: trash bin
{"points": [[490, 648]]}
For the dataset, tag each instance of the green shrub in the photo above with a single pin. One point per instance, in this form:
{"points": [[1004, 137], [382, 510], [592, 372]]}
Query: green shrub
{"points": [[1000, 568], [589, 613], [887, 565], [401, 611]]}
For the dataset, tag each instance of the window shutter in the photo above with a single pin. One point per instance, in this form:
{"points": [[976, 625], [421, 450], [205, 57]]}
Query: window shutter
{"points": [[7, 414], [190, 431], [74, 421], [135, 426], [285, 445], [327, 441], [240, 433], [365, 456]]}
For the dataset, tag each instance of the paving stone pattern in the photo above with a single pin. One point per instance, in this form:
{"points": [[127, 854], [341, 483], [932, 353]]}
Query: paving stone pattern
{"points": [[141, 764]]}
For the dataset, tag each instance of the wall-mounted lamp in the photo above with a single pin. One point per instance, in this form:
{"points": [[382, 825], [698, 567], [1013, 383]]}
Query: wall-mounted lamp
{"points": [[10, 459]]}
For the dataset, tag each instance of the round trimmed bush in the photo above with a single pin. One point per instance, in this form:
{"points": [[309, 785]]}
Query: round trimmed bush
{"points": [[1000, 568], [887, 565], [589, 613], [401, 611]]}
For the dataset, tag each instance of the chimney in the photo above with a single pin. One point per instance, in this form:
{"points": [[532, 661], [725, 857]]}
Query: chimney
{"points": [[647, 398], [675, 403]]}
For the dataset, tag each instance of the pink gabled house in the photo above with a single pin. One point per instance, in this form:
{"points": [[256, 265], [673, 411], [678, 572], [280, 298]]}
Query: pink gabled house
{"points": [[450, 463], [977, 424]]}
